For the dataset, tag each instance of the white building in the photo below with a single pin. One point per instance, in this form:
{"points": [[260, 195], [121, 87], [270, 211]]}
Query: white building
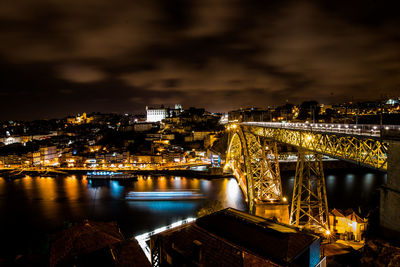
{"points": [[155, 114], [11, 140]]}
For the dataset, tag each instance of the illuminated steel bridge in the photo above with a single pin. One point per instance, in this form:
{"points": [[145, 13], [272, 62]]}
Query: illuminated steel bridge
{"points": [[253, 158], [358, 144]]}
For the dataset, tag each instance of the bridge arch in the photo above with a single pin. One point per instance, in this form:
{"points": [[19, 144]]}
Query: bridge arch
{"points": [[254, 163]]}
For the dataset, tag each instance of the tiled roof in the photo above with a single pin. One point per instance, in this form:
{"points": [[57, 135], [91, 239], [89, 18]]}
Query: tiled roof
{"points": [[349, 214], [355, 218], [337, 213], [83, 238], [183, 237], [274, 241], [128, 253]]}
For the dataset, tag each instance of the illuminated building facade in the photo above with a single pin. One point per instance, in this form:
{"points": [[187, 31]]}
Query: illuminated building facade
{"points": [[155, 114], [48, 156], [80, 119], [159, 114], [347, 225]]}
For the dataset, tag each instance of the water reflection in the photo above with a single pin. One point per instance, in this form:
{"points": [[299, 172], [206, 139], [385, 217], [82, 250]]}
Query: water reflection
{"points": [[2, 186], [35, 204], [330, 183], [47, 191], [28, 186], [194, 183], [368, 182], [287, 186], [205, 185], [225, 190], [233, 193], [116, 189], [177, 182], [162, 183], [140, 184], [72, 187], [349, 182], [93, 190], [46, 187], [165, 206]]}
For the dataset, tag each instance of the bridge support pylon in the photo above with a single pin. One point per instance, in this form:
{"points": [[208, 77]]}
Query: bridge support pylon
{"points": [[309, 207], [269, 202], [390, 195], [254, 162]]}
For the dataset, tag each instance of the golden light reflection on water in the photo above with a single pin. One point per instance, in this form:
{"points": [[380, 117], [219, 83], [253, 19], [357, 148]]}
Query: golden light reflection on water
{"points": [[149, 183], [184, 182], [145, 183], [28, 185], [140, 184], [230, 193], [72, 187], [84, 181], [194, 183], [46, 187], [162, 183], [2, 185]]}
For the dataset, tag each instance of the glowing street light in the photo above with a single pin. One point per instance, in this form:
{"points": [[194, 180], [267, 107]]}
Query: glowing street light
{"points": [[327, 232]]}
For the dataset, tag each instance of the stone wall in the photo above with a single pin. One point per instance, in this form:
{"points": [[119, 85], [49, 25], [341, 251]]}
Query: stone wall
{"points": [[390, 195]]}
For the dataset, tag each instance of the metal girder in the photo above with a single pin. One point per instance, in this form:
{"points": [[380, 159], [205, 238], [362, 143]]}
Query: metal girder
{"points": [[235, 161], [309, 202], [156, 252], [254, 163], [362, 150], [264, 168]]}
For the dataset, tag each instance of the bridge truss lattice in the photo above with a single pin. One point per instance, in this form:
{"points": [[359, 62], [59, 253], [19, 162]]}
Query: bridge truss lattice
{"points": [[254, 162], [253, 157]]}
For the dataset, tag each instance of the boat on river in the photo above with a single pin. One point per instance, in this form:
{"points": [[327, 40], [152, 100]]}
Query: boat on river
{"points": [[164, 195], [110, 175]]}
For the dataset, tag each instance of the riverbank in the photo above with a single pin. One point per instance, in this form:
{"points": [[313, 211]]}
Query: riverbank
{"points": [[211, 173], [185, 173]]}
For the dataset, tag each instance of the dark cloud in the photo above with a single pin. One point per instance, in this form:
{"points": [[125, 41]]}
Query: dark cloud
{"points": [[62, 57]]}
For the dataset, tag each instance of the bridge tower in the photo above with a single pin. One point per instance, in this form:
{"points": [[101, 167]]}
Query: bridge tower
{"points": [[254, 162], [309, 207]]}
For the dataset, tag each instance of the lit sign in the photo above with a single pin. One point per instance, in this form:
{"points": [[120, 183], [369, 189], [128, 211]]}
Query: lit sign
{"points": [[215, 160]]}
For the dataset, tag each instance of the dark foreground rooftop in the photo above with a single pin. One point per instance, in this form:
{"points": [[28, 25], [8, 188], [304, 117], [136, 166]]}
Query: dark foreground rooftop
{"points": [[278, 242], [234, 238]]}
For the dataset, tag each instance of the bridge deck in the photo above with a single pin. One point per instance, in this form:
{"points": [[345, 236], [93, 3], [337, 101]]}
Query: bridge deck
{"points": [[369, 130], [360, 144]]}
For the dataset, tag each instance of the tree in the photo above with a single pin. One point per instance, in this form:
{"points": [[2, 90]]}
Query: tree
{"points": [[330, 114], [285, 111], [309, 110]]}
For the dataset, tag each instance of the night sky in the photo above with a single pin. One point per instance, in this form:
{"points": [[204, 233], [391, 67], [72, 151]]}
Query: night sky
{"points": [[60, 57]]}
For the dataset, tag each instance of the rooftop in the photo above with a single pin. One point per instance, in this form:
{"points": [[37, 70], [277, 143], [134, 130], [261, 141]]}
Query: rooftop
{"points": [[253, 233], [232, 231]]}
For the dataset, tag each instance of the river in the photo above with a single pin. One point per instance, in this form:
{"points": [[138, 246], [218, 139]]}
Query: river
{"points": [[32, 208]]}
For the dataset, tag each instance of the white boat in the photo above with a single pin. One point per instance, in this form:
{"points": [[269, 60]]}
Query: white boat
{"points": [[109, 175], [164, 195]]}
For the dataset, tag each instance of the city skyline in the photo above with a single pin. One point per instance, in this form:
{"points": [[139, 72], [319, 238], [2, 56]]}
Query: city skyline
{"points": [[200, 133], [63, 58]]}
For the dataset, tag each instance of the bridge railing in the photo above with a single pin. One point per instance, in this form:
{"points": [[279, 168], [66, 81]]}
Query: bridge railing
{"points": [[353, 129]]}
